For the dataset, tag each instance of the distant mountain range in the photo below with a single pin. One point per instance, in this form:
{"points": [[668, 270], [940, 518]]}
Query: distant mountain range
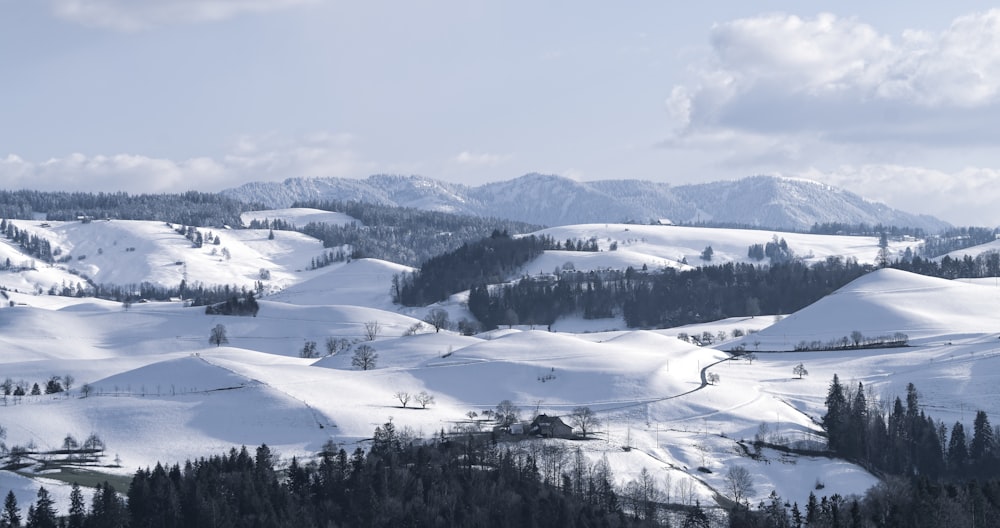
{"points": [[765, 201]]}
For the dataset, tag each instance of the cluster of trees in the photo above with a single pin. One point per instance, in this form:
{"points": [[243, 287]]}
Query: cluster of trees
{"points": [[54, 385], [329, 257], [863, 229], [857, 340], [902, 440], [955, 239], [776, 250], [984, 265], [917, 502], [107, 510], [398, 482], [663, 298], [235, 306], [189, 208], [488, 261], [32, 244]]}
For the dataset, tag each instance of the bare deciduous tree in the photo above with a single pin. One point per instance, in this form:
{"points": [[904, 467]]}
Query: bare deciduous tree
{"points": [[739, 482], [403, 397], [424, 399], [800, 370], [218, 336], [309, 350], [438, 318], [583, 418], [506, 413], [335, 345], [364, 357], [372, 330]]}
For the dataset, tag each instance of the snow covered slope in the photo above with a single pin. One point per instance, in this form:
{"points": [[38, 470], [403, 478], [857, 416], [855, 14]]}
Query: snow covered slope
{"points": [[669, 246]]}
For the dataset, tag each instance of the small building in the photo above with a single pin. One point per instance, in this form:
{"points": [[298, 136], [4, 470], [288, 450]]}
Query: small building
{"points": [[550, 427]]}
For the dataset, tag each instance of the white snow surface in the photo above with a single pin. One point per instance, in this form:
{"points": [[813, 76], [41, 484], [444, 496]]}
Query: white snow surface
{"points": [[161, 392]]}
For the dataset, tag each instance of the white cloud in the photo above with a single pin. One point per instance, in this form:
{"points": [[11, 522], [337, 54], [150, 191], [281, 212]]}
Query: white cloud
{"points": [[135, 15], [479, 159], [265, 158], [964, 197], [782, 73]]}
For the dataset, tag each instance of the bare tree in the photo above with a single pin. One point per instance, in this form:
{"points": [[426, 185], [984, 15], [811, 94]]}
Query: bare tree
{"points": [[403, 397], [372, 330], [86, 389], [506, 413], [218, 336], [438, 318], [335, 345], [424, 399], [68, 381], [583, 418], [739, 483], [309, 350], [800, 370], [712, 378], [364, 357], [750, 357]]}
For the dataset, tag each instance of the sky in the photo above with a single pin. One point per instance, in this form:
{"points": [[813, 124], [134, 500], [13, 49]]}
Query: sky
{"points": [[899, 106]]}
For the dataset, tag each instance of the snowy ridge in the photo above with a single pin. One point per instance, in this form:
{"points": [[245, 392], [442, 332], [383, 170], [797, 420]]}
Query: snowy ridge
{"points": [[774, 202]]}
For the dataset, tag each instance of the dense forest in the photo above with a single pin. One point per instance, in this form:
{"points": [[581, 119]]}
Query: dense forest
{"points": [[189, 208], [930, 478], [401, 234], [662, 298], [487, 261], [464, 481]]}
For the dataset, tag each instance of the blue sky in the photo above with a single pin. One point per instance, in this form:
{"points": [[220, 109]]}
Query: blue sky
{"points": [[172, 95]]}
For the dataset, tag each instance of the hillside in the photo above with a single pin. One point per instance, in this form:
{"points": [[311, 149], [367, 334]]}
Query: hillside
{"points": [[158, 391], [776, 203]]}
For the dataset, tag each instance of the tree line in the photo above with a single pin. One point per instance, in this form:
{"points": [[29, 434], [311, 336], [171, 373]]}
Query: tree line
{"points": [[189, 208], [663, 298], [929, 479], [465, 481]]}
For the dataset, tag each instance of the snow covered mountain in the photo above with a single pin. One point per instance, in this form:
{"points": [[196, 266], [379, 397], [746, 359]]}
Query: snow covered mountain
{"points": [[553, 200]]}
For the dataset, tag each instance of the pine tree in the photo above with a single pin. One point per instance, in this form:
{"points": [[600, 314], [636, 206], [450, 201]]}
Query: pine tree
{"points": [[43, 514], [958, 453], [836, 415], [982, 437], [77, 508], [11, 515]]}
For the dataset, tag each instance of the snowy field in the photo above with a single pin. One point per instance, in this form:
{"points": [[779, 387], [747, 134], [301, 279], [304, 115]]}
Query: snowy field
{"points": [[159, 391]]}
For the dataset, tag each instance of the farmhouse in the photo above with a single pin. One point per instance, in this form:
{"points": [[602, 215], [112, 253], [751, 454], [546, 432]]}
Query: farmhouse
{"points": [[550, 427]]}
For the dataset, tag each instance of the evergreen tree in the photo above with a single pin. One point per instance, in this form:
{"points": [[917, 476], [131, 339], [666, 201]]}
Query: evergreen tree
{"points": [[982, 438], [11, 515], [958, 453], [77, 508], [836, 417], [43, 514]]}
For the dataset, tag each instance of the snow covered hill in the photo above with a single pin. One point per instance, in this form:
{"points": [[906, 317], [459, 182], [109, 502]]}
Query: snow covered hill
{"points": [[157, 390], [681, 247], [552, 200]]}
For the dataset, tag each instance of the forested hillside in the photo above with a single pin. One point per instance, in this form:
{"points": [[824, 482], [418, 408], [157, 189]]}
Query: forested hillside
{"points": [[190, 208], [403, 235]]}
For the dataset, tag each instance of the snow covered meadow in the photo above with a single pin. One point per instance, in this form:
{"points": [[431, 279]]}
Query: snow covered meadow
{"points": [[158, 390]]}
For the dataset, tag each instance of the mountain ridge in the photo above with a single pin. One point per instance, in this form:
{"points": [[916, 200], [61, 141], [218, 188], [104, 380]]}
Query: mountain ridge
{"points": [[763, 201]]}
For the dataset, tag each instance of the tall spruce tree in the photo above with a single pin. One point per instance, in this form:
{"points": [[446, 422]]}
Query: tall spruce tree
{"points": [[837, 412]]}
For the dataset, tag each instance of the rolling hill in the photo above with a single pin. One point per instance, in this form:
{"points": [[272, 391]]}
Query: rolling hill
{"points": [[158, 391]]}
